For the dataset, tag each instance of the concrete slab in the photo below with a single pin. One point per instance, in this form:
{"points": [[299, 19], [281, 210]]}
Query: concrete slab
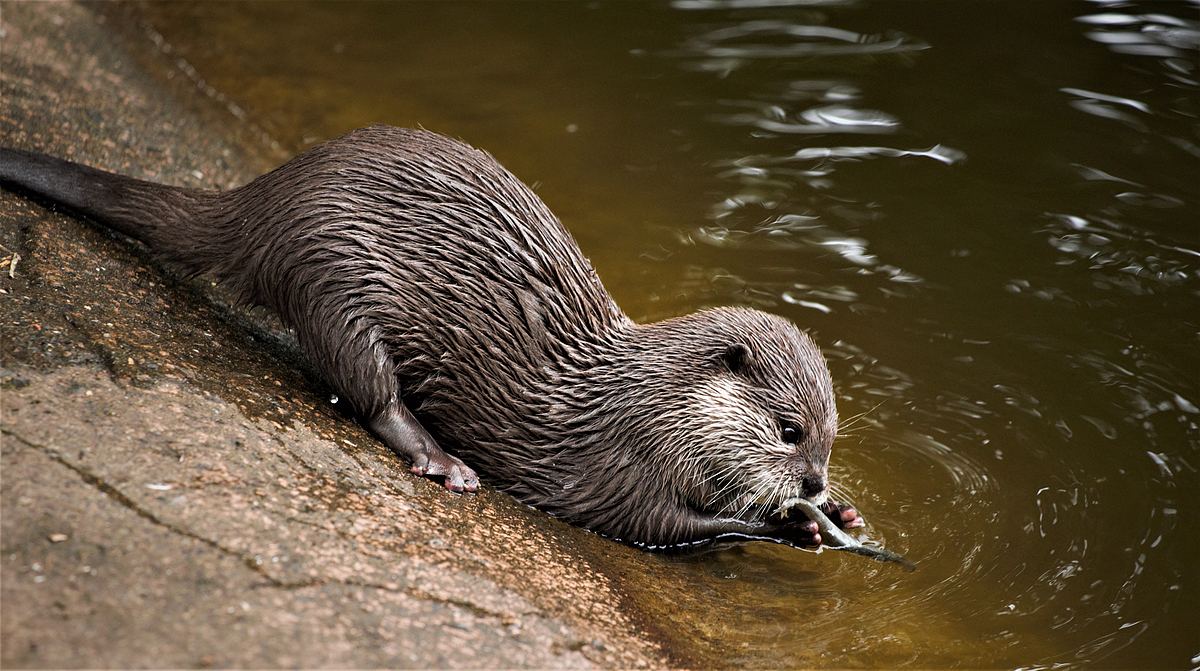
{"points": [[176, 488]]}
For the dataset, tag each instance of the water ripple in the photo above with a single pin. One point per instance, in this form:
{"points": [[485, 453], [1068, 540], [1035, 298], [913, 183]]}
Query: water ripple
{"points": [[749, 219], [753, 4], [1123, 257], [783, 39], [725, 49], [825, 119], [1154, 35]]}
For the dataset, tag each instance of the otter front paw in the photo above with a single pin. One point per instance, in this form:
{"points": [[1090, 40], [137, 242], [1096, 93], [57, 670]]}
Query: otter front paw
{"points": [[807, 533], [457, 476], [845, 517], [804, 534]]}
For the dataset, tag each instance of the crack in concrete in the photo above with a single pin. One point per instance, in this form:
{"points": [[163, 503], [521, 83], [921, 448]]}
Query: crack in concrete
{"points": [[416, 593], [247, 560], [477, 610], [125, 501]]}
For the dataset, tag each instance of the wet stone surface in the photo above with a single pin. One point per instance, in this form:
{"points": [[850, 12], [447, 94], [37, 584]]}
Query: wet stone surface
{"points": [[177, 488]]}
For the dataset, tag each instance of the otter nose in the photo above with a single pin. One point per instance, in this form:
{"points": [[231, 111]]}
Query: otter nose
{"points": [[811, 485]]}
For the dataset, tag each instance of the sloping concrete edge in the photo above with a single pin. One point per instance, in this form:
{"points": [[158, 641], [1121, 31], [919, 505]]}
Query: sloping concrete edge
{"points": [[175, 489]]}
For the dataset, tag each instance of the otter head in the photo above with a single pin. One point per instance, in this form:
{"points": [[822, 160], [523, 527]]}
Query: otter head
{"points": [[744, 420]]}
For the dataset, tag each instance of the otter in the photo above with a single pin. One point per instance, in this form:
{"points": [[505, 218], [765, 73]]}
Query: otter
{"points": [[440, 296]]}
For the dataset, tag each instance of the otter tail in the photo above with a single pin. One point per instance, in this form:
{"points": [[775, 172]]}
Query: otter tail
{"points": [[164, 217]]}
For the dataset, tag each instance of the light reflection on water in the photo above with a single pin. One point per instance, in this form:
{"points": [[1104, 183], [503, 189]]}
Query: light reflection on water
{"points": [[986, 213]]}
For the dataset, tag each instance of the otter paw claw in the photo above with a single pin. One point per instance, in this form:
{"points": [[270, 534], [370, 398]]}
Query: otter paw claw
{"points": [[456, 476]]}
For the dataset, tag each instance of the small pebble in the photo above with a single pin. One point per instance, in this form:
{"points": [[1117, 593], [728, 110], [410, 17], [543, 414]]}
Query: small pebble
{"points": [[57, 538]]}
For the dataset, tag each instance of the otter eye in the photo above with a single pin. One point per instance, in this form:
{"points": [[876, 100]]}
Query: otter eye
{"points": [[792, 434]]}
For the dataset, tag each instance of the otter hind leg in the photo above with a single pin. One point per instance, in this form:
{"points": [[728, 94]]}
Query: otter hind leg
{"points": [[356, 363], [397, 427]]}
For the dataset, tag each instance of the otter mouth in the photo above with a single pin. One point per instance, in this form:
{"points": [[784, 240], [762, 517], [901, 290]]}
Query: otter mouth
{"points": [[774, 519], [778, 510], [787, 511]]}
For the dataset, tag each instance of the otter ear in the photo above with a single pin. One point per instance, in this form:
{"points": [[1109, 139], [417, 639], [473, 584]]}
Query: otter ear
{"points": [[737, 358]]}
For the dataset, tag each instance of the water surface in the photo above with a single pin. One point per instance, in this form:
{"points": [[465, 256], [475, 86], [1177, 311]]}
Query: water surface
{"points": [[986, 213]]}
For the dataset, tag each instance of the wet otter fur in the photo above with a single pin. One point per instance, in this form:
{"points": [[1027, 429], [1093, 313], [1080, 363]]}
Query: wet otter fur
{"points": [[456, 314]]}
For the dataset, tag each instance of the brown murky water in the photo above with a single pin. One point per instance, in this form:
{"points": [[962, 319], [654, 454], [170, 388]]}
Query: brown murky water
{"points": [[985, 212]]}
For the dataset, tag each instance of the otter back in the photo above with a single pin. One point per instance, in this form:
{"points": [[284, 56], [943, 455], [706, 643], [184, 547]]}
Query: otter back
{"points": [[450, 307]]}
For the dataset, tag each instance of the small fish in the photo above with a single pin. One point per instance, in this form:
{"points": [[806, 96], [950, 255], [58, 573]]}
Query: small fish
{"points": [[837, 539]]}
